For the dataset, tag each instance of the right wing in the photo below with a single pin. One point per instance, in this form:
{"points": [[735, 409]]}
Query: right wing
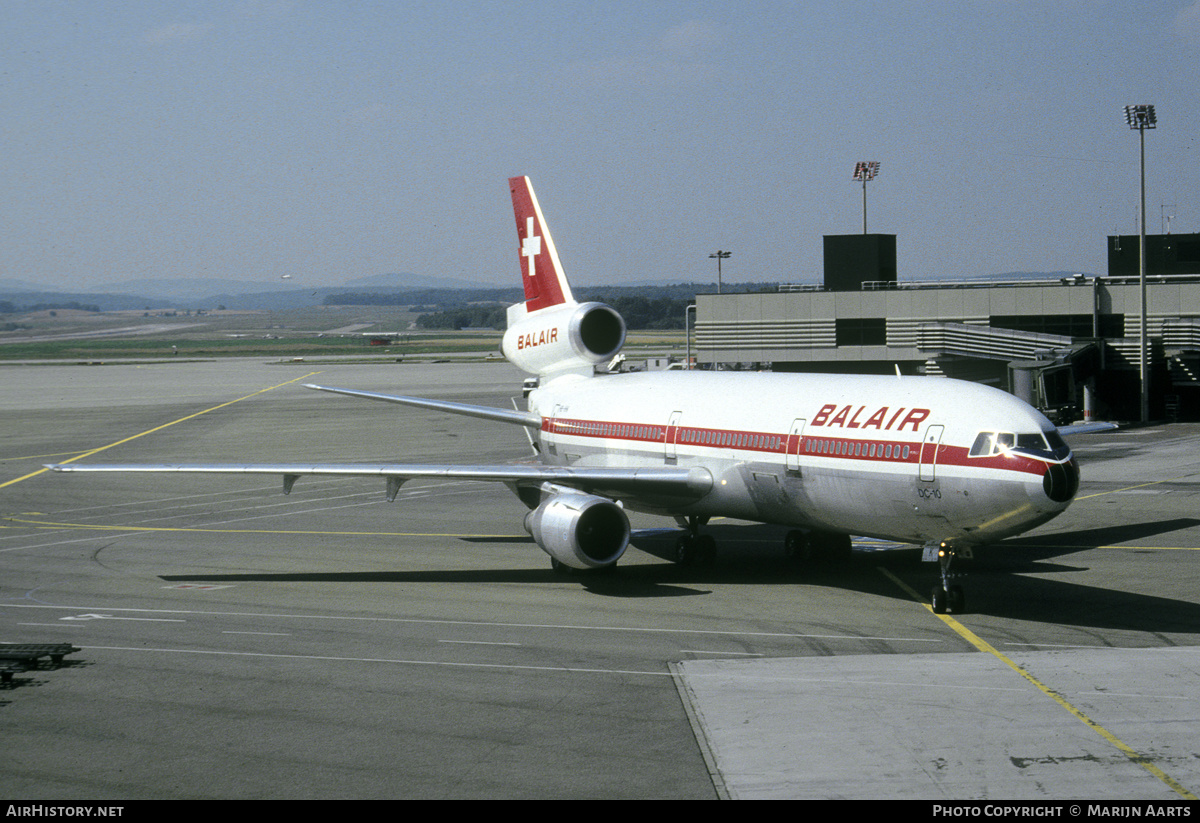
{"points": [[528, 419], [648, 482], [1086, 428]]}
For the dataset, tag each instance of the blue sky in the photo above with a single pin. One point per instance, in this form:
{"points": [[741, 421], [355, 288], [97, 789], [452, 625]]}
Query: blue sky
{"points": [[335, 140]]}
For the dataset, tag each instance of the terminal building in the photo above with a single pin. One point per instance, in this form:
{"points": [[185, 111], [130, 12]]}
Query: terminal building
{"points": [[1069, 346]]}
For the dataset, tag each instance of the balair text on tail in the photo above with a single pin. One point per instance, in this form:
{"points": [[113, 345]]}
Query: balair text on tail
{"points": [[550, 334]]}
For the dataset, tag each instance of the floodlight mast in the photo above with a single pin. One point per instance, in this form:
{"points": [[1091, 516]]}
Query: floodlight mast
{"points": [[1142, 117], [719, 255], [865, 170]]}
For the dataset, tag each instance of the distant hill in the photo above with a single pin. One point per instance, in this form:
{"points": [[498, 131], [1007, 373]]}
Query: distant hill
{"points": [[408, 281], [104, 302], [401, 288]]}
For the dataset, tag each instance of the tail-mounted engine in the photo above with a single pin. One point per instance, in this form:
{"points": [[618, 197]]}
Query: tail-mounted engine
{"points": [[580, 530], [562, 339]]}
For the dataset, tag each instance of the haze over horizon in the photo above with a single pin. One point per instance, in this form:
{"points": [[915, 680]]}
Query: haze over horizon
{"points": [[334, 141]]}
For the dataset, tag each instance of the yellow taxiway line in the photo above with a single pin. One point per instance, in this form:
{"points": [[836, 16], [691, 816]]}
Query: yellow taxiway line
{"points": [[983, 646], [89, 453]]}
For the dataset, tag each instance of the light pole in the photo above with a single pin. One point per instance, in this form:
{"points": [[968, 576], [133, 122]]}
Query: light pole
{"points": [[690, 310], [720, 255], [865, 170], [1142, 117]]}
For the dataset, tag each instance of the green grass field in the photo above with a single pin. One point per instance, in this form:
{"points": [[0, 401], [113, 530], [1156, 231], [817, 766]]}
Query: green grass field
{"points": [[316, 332]]}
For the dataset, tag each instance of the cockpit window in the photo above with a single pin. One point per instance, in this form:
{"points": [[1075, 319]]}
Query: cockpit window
{"points": [[988, 444], [991, 443], [1034, 442], [982, 447], [1055, 440]]}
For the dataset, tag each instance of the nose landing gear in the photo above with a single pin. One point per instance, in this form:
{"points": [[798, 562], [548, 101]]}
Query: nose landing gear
{"points": [[947, 596]]}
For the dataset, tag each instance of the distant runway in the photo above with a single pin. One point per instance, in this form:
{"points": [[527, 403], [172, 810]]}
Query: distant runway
{"points": [[124, 331], [239, 643]]}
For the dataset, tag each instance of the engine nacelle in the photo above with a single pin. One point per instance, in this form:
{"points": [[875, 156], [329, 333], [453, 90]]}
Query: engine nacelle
{"points": [[567, 338], [580, 530]]}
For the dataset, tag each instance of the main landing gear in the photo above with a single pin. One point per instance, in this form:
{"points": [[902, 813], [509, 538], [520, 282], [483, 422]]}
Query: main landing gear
{"points": [[691, 547], [810, 547], [947, 596]]}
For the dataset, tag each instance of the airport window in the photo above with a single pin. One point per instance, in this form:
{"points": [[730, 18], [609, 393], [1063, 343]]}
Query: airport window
{"points": [[861, 331], [1186, 251], [1066, 325]]}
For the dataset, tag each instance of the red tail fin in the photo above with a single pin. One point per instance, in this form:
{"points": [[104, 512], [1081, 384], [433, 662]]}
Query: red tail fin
{"points": [[541, 271]]}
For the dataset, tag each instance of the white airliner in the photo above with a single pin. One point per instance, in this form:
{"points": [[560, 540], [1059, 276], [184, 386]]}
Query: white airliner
{"points": [[930, 461]]}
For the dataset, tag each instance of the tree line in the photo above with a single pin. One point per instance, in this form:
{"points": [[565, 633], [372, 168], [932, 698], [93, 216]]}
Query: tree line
{"points": [[643, 307]]}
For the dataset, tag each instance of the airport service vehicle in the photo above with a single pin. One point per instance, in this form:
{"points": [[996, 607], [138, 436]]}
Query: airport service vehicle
{"points": [[930, 461]]}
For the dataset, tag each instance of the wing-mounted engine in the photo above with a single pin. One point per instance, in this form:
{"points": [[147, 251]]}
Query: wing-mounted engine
{"points": [[571, 338], [579, 530]]}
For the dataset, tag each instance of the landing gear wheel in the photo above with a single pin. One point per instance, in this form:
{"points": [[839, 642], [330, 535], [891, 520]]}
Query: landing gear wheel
{"points": [[839, 548], [813, 547], [938, 598], [560, 568], [691, 547], [956, 600], [695, 550], [685, 550], [798, 546], [948, 596]]}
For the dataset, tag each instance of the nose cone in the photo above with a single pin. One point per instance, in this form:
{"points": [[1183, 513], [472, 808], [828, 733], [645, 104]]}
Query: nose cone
{"points": [[1061, 481]]}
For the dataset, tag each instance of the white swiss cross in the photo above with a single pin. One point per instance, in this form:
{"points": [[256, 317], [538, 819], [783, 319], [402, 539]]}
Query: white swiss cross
{"points": [[531, 246]]}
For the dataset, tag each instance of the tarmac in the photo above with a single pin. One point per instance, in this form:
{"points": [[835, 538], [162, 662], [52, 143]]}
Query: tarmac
{"points": [[236, 643]]}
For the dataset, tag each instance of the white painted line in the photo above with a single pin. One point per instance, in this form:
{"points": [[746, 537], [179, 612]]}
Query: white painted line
{"points": [[268, 634]]}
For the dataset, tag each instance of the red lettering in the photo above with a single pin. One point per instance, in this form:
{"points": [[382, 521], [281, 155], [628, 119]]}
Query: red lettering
{"points": [[876, 420], [823, 414], [843, 418], [914, 417], [840, 418]]}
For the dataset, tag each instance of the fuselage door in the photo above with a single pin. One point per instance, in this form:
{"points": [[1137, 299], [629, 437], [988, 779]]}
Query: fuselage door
{"points": [[548, 431], [795, 438], [672, 436], [929, 451]]}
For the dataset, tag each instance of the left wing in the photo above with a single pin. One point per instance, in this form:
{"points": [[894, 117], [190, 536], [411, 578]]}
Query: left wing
{"points": [[658, 482], [646, 482]]}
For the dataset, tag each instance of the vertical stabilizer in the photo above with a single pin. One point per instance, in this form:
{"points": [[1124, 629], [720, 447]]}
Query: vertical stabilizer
{"points": [[541, 271], [551, 335]]}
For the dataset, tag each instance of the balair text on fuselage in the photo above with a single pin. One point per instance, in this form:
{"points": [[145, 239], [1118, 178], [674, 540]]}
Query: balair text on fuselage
{"points": [[848, 417]]}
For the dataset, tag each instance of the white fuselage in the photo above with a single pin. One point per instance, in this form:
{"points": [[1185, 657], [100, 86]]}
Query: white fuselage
{"points": [[888, 457]]}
